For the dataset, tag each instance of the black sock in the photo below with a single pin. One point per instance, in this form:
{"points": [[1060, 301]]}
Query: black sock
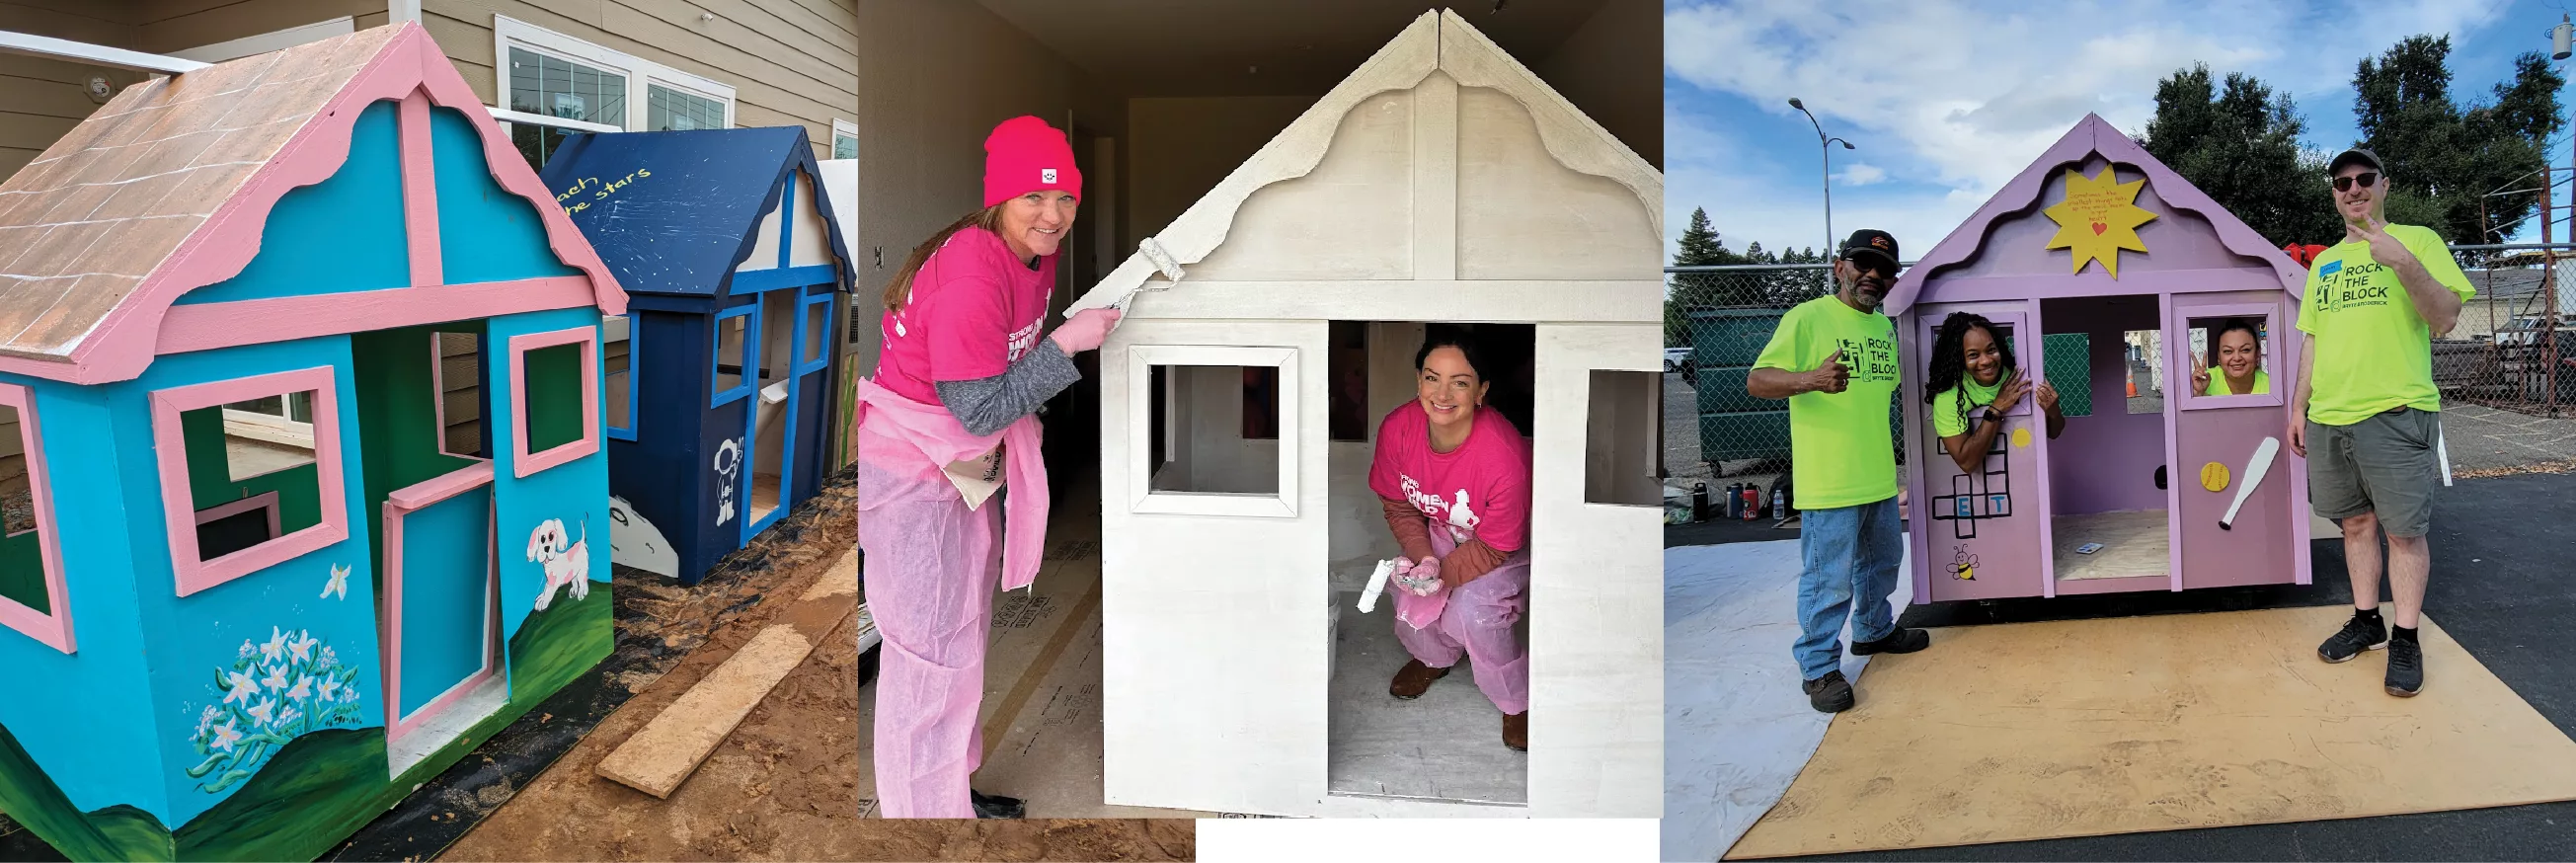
{"points": [[2402, 633], [2371, 616]]}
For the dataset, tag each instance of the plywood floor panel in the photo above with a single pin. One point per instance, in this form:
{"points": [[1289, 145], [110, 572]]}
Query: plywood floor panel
{"points": [[2133, 544], [2093, 727], [1446, 745]]}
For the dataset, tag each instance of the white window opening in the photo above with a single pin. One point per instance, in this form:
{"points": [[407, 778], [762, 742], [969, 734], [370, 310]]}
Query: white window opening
{"points": [[561, 77], [1188, 416], [845, 139]]}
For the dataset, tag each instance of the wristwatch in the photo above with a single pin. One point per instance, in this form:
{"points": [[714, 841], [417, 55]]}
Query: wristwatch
{"points": [[1993, 417]]}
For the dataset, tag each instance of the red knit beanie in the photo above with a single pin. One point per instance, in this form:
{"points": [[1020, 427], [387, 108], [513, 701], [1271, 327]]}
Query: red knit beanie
{"points": [[1025, 155]]}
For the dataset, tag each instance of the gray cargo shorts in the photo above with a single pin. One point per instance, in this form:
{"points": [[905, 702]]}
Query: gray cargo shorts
{"points": [[2384, 465]]}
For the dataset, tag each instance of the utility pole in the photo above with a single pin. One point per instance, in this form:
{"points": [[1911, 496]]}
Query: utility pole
{"points": [[1827, 144]]}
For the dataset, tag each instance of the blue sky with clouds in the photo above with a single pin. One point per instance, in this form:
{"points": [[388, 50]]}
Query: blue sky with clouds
{"points": [[1947, 100]]}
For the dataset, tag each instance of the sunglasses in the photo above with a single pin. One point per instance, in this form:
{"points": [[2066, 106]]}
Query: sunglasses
{"points": [[2367, 179], [1883, 268]]}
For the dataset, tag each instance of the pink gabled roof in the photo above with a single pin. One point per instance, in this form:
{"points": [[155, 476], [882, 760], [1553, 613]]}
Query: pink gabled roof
{"points": [[2091, 136], [168, 187]]}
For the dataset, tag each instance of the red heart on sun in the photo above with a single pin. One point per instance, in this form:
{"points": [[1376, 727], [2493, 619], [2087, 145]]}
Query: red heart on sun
{"points": [[2098, 228]]}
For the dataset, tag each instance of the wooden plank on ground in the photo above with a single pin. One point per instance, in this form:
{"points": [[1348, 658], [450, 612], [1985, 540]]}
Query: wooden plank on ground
{"points": [[657, 759]]}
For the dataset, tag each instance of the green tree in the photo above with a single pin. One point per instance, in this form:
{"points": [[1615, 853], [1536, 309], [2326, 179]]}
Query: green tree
{"points": [[2238, 141], [1700, 246], [2451, 157]]}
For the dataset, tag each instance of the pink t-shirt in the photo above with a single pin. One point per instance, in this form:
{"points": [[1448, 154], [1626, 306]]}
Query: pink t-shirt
{"points": [[974, 310], [1481, 490]]}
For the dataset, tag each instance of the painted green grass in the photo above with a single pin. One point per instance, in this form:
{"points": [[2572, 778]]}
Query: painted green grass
{"points": [[319, 788]]}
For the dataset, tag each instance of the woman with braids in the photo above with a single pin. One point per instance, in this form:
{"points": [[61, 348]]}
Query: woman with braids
{"points": [[1973, 383], [948, 422], [1453, 478], [2238, 353]]}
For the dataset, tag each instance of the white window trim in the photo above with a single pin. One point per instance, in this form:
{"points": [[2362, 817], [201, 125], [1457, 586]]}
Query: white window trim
{"points": [[273, 41], [508, 33], [844, 127], [1143, 497]]}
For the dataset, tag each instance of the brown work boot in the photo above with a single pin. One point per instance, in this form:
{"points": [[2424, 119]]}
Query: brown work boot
{"points": [[1516, 731], [1414, 679]]}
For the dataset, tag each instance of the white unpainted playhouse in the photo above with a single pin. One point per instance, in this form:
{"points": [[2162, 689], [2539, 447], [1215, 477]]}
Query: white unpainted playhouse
{"points": [[1268, 329]]}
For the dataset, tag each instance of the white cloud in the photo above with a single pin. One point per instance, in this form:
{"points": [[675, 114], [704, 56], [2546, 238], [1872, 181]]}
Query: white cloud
{"points": [[1860, 174]]}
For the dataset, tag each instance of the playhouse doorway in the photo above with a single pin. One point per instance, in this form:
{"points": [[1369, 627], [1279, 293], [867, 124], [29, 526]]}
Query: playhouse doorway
{"points": [[1446, 746], [421, 396], [2108, 473]]}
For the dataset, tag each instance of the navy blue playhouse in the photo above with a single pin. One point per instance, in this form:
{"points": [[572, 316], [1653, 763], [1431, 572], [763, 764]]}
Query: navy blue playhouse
{"points": [[719, 390]]}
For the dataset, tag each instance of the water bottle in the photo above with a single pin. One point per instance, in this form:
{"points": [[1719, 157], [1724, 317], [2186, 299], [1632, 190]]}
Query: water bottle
{"points": [[1699, 501], [1752, 502], [1775, 505]]}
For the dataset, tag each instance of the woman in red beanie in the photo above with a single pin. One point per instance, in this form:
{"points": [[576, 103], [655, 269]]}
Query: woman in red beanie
{"points": [[947, 423]]}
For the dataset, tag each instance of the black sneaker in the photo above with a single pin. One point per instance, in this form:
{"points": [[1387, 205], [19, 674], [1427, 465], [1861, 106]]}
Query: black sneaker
{"points": [[1900, 641], [2405, 668], [2355, 636], [996, 806], [1830, 693]]}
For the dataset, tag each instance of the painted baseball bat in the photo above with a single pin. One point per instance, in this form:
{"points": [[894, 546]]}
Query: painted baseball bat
{"points": [[2255, 470]]}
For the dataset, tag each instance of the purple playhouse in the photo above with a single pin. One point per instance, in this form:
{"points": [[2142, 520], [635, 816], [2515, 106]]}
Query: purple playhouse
{"points": [[2108, 272]]}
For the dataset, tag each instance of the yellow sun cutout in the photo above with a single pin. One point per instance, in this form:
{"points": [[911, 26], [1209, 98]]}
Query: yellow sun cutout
{"points": [[2099, 217]]}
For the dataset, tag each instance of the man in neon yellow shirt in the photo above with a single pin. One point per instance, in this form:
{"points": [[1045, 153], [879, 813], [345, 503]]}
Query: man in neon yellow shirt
{"points": [[1834, 359], [2366, 407]]}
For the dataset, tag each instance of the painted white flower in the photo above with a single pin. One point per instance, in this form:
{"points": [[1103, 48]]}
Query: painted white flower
{"points": [[242, 687], [303, 687], [330, 657], [338, 584], [349, 694], [275, 645], [276, 678], [210, 714], [329, 688], [263, 711], [289, 716], [247, 649], [302, 646], [226, 736]]}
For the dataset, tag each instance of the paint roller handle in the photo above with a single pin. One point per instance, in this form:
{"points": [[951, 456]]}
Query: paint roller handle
{"points": [[1376, 585], [1085, 330]]}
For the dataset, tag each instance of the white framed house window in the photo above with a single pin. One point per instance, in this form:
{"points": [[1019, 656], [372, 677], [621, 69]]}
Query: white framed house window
{"points": [[550, 74], [1186, 413], [845, 139]]}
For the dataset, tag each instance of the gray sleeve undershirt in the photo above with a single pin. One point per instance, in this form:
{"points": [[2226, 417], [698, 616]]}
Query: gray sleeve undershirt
{"points": [[988, 405]]}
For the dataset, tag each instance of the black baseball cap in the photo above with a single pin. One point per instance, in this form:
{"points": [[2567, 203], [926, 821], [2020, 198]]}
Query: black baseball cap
{"points": [[1870, 242], [2360, 155]]}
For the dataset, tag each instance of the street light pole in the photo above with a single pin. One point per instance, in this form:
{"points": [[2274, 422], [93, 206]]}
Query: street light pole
{"points": [[1827, 144]]}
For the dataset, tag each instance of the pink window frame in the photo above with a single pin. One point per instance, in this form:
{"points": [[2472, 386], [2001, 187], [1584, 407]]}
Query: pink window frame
{"points": [[54, 629], [177, 505], [523, 462]]}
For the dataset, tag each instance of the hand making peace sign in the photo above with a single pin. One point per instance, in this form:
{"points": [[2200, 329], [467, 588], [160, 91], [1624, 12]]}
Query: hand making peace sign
{"points": [[2199, 374], [2387, 250]]}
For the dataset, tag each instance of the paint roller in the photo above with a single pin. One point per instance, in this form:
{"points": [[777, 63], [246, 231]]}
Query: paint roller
{"points": [[2256, 469], [1376, 585]]}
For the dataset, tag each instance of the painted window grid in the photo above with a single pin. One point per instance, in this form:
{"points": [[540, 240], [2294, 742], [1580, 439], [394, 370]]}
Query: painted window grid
{"points": [[672, 99], [845, 139], [179, 513], [524, 463], [53, 626], [748, 378]]}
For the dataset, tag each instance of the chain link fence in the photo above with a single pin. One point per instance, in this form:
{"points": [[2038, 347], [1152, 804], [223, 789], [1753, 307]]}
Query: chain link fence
{"points": [[2509, 364]]}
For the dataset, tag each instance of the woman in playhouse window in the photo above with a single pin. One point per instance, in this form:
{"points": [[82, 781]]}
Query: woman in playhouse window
{"points": [[1973, 383], [948, 422], [1454, 480], [2239, 356]]}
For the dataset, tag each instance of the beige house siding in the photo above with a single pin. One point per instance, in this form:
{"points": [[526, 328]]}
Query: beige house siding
{"points": [[164, 26], [789, 61], [41, 100]]}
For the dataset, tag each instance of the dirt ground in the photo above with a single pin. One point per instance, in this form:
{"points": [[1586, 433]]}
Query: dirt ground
{"points": [[785, 785]]}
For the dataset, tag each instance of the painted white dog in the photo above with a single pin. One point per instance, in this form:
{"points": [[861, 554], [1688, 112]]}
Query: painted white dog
{"points": [[565, 564]]}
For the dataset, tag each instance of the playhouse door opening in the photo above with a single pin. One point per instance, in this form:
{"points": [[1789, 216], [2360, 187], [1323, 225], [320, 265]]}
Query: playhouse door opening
{"points": [[772, 409], [2107, 473], [1445, 746], [421, 394]]}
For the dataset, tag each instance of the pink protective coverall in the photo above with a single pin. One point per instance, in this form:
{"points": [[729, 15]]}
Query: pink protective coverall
{"points": [[930, 575], [1477, 619]]}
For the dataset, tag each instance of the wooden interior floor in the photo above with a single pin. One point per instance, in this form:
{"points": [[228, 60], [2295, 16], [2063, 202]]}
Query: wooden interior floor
{"points": [[764, 495], [2133, 544]]}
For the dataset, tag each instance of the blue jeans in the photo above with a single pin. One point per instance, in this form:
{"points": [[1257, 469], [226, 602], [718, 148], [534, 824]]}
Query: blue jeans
{"points": [[1850, 556]]}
